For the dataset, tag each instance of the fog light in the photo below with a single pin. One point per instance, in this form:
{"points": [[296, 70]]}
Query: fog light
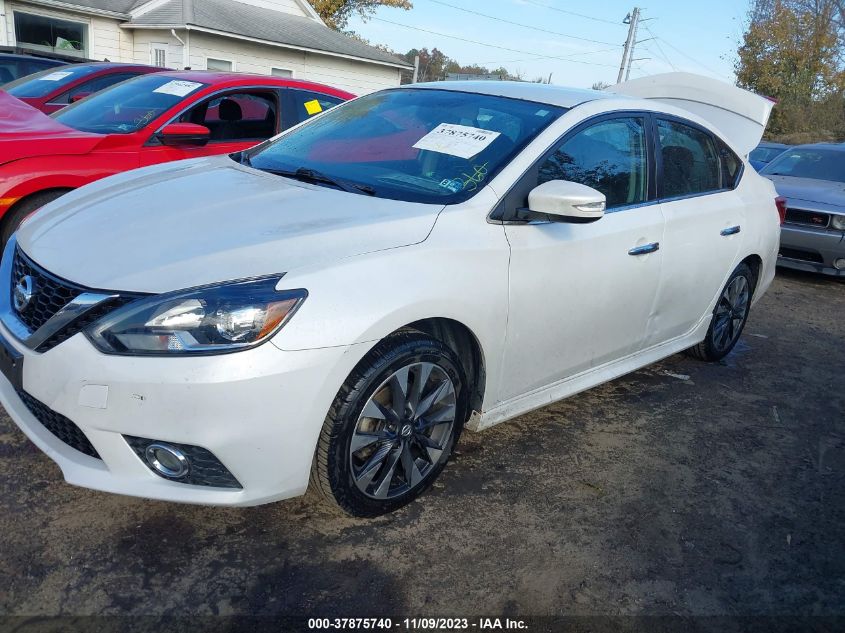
{"points": [[166, 460], [839, 264]]}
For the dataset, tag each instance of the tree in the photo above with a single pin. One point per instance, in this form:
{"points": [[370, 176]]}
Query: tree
{"points": [[336, 13], [792, 51]]}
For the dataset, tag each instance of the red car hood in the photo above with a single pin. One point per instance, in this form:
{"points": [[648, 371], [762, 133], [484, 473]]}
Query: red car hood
{"points": [[27, 132]]}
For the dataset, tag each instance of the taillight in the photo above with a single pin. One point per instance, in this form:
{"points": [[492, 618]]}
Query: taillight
{"points": [[780, 203]]}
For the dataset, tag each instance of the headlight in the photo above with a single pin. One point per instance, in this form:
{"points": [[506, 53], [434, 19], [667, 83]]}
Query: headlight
{"points": [[838, 222], [210, 320]]}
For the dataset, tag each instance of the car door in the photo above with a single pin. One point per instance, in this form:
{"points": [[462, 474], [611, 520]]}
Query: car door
{"points": [[582, 295], [301, 105], [704, 219], [236, 119]]}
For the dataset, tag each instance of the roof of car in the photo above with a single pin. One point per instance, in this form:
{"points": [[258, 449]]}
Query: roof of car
{"points": [[248, 79], [541, 93], [839, 147]]}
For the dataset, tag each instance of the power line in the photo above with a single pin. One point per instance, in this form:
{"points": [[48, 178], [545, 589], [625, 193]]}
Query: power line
{"points": [[538, 57], [580, 15], [502, 48], [524, 26], [692, 59], [663, 54]]}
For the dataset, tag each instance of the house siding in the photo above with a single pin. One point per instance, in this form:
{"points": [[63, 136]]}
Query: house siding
{"points": [[143, 39], [107, 40], [248, 57]]}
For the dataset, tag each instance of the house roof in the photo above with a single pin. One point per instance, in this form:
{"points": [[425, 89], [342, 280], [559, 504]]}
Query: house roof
{"points": [[245, 20]]}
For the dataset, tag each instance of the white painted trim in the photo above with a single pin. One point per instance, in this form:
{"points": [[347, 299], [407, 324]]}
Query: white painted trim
{"points": [[69, 6], [290, 70], [200, 29], [233, 69], [40, 11], [307, 8], [147, 7], [165, 46]]}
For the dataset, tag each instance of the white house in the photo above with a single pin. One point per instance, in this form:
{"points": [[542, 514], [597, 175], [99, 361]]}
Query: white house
{"points": [[279, 37]]}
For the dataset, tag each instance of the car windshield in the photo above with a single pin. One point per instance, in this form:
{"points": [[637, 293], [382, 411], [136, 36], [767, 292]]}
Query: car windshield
{"points": [[128, 106], [766, 154], [416, 145], [43, 83], [819, 164]]}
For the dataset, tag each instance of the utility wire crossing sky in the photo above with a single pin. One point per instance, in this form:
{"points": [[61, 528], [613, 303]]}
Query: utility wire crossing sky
{"points": [[579, 44]]}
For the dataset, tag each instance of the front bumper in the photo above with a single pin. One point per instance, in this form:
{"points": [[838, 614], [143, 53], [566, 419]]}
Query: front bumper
{"points": [[811, 250], [259, 412]]}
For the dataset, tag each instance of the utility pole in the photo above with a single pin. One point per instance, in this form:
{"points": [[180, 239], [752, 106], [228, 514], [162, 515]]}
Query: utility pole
{"points": [[631, 20], [635, 23], [416, 69]]}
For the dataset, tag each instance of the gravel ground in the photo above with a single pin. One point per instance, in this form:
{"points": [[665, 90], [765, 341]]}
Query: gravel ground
{"points": [[682, 489]]}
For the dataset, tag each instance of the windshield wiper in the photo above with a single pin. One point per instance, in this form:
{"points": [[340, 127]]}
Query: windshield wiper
{"points": [[318, 177]]}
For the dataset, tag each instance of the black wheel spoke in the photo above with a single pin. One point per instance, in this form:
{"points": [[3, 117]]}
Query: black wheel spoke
{"points": [[403, 430]]}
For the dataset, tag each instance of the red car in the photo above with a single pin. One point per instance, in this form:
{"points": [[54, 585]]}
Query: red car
{"points": [[151, 119], [55, 88]]}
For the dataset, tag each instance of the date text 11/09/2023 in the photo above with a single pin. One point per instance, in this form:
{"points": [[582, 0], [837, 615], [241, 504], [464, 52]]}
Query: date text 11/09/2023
{"points": [[417, 624]]}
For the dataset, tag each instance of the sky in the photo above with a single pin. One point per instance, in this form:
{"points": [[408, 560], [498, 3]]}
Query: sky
{"points": [[577, 50]]}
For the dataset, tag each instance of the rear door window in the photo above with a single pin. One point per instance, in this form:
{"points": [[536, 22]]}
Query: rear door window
{"points": [[306, 104], [690, 160]]}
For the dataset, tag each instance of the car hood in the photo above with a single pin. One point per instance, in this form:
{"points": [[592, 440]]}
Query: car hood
{"points": [[820, 195], [207, 220], [26, 132]]}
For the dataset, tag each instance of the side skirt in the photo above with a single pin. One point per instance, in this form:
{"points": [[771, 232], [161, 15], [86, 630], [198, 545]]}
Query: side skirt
{"points": [[585, 380]]}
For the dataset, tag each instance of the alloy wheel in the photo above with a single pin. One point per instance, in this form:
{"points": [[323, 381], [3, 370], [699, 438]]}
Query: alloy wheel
{"points": [[403, 431], [730, 313]]}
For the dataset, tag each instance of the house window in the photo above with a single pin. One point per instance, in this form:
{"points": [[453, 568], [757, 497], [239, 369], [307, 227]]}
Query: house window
{"points": [[282, 72], [158, 54], [218, 64], [51, 34]]}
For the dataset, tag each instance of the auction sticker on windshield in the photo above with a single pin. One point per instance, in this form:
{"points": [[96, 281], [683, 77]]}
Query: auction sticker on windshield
{"points": [[56, 76], [456, 140], [178, 88]]}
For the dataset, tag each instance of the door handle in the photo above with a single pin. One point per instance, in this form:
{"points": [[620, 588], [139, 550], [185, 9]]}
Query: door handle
{"points": [[645, 249], [731, 230]]}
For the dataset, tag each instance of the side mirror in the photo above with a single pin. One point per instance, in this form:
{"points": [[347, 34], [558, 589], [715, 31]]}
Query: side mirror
{"points": [[564, 201], [183, 134], [79, 96]]}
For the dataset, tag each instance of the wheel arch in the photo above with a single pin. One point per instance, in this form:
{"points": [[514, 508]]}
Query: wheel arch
{"points": [[755, 263], [466, 345]]}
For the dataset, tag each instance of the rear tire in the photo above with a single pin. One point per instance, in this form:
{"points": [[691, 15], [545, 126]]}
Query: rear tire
{"points": [[729, 316], [13, 218], [392, 426]]}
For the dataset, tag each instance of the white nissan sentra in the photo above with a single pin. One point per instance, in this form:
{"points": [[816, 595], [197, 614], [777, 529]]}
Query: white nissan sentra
{"points": [[338, 303]]}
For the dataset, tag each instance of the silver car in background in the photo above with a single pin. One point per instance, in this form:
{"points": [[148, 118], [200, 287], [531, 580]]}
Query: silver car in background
{"points": [[812, 179]]}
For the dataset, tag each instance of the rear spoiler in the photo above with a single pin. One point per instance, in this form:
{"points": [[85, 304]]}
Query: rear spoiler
{"points": [[738, 114]]}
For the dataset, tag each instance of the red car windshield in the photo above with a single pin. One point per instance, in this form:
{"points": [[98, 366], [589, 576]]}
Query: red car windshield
{"points": [[45, 82], [416, 145], [129, 106]]}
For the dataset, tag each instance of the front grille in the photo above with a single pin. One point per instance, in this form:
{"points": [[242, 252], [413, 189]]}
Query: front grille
{"points": [[58, 425], [93, 315], [204, 470], [807, 218], [50, 294], [801, 254]]}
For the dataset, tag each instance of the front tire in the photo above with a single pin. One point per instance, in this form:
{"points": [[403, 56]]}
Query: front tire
{"points": [[392, 426], [729, 316], [13, 218]]}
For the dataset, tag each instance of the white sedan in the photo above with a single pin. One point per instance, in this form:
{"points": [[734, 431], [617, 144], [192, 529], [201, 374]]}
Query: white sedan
{"points": [[338, 303]]}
